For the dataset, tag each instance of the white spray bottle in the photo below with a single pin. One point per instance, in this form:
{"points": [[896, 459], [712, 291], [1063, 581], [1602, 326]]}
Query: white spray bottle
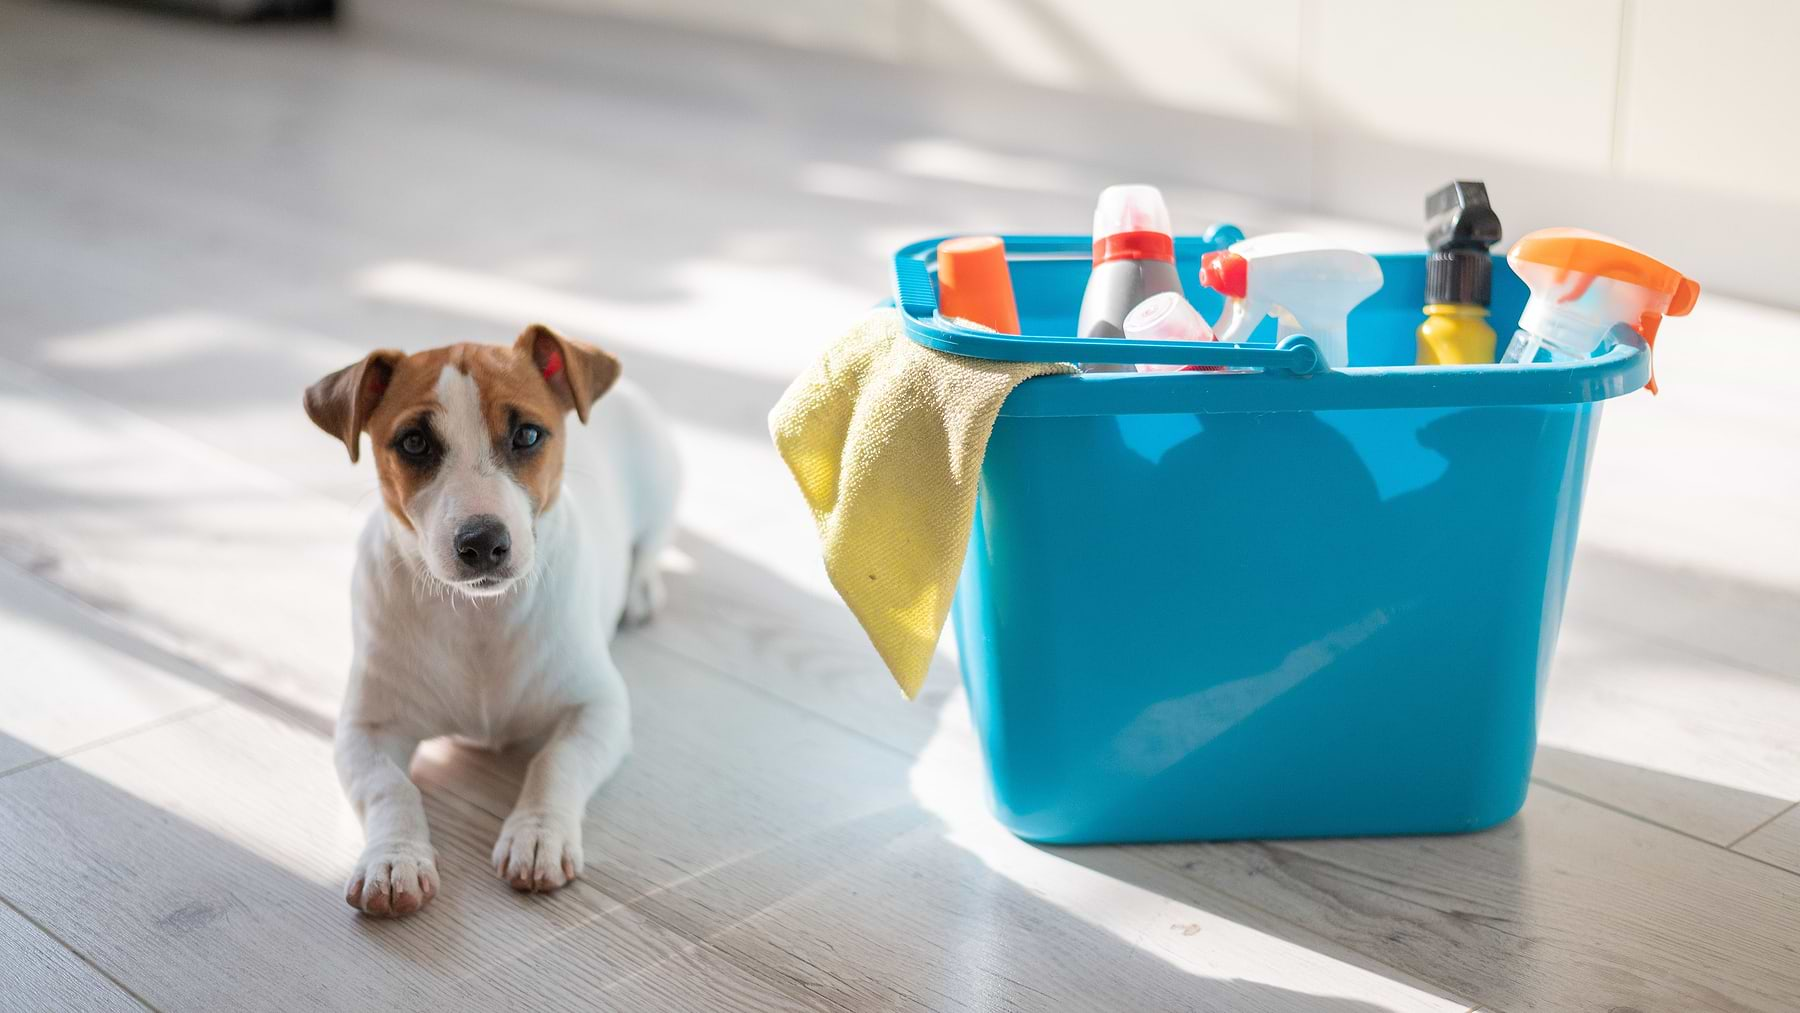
{"points": [[1309, 284]]}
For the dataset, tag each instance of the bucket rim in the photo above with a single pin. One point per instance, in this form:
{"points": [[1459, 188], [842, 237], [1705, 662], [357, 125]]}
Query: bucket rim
{"points": [[1287, 378]]}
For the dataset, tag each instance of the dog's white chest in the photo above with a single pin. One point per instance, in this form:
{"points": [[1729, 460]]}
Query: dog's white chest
{"points": [[494, 678], [494, 671]]}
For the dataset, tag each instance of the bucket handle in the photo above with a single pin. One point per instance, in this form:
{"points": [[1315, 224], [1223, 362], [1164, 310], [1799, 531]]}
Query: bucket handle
{"points": [[915, 292]]}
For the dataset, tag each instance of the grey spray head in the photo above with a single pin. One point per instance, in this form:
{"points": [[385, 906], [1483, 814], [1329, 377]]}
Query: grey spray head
{"points": [[1459, 228]]}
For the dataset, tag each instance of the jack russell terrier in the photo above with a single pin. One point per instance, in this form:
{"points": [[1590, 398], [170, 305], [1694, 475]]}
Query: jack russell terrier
{"points": [[508, 548]]}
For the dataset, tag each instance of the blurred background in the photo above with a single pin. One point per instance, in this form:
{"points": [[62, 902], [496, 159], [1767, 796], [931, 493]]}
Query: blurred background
{"points": [[206, 206], [715, 187]]}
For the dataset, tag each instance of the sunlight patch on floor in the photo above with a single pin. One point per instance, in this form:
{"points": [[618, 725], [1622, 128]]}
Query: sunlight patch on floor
{"points": [[947, 781], [763, 321]]}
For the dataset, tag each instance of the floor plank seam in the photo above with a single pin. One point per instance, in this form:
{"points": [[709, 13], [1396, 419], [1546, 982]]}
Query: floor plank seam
{"points": [[265, 479], [1376, 963], [791, 704], [1673, 830], [1691, 650], [768, 975], [581, 887], [786, 702], [436, 787], [615, 901], [782, 981], [174, 717], [613, 904], [1753, 831], [735, 958], [169, 641], [704, 664], [77, 954]]}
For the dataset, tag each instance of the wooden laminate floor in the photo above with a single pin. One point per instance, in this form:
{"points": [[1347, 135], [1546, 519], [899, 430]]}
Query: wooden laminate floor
{"points": [[197, 220]]}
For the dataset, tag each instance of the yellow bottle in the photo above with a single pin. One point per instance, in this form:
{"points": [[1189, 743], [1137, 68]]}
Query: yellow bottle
{"points": [[1455, 334], [1459, 228]]}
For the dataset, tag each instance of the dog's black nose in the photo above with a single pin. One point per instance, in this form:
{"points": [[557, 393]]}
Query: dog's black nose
{"points": [[482, 544]]}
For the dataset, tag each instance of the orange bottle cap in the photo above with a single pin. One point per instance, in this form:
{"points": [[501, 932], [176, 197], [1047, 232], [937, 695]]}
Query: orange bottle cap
{"points": [[974, 283], [1579, 251]]}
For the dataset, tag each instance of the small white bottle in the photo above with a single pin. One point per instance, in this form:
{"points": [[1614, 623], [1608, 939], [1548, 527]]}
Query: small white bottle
{"points": [[1167, 316]]}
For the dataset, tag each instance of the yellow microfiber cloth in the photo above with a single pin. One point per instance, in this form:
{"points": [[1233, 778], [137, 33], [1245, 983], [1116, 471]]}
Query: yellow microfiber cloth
{"points": [[886, 437]]}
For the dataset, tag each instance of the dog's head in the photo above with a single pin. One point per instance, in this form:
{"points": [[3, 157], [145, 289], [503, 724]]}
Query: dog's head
{"points": [[468, 443]]}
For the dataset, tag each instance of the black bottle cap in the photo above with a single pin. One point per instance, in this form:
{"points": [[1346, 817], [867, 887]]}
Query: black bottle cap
{"points": [[1459, 228], [1463, 276]]}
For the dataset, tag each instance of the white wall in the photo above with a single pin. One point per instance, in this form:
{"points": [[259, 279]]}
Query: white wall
{"points": [[1671, 125]]}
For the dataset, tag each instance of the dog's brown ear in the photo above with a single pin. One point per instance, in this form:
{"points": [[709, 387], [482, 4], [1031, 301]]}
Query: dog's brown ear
{"points": [[341, 403], [576, 370]]}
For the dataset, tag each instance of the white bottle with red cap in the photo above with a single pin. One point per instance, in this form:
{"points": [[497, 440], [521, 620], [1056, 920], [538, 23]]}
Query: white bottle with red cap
{"points": [[1309, 284], [1134, 259]]}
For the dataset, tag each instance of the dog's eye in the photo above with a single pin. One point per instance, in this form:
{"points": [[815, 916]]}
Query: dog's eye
{"points": [[415, 444], [526, 437]]}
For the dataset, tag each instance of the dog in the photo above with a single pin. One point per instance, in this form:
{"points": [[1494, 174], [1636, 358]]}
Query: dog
{"points": [[509, 545]]}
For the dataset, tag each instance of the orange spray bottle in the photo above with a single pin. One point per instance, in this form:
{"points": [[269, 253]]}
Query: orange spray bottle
{"points": [[1583, 284]]}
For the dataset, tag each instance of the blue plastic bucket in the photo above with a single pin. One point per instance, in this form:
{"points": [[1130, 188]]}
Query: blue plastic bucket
{"points": [[1285, 603]]}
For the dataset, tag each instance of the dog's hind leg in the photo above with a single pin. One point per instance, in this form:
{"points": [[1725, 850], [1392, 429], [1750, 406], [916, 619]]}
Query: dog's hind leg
{"points": [[644, 589], [656, 484], [659, 487]]}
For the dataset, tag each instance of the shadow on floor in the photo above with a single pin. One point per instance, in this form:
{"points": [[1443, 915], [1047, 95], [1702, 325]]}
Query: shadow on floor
{"points": [[741, 823]]}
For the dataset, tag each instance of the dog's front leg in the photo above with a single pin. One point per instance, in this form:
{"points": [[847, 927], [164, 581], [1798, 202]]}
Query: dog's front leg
{"points": [[540, 844], [397, 873]]}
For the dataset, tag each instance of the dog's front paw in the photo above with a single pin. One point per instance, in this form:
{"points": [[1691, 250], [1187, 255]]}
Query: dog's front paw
{"points": [[538, 851], [393, 879]]}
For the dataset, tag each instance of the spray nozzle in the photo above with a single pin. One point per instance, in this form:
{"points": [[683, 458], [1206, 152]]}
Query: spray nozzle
{"points": [[1582, 284], [1458, 217], [1311, 285], [1225, 273], [1459, 228]]}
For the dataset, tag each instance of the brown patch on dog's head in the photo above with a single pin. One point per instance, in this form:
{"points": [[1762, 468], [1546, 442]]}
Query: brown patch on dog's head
{"points": [[467, 434], [342, 402], [577, 371]]}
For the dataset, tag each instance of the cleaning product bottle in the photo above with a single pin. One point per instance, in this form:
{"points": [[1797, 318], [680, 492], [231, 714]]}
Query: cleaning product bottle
{"points": [[1134, 258], [1309, 284], [1459, 276], [974, 283], [1167, 316], [1582, 285]]}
